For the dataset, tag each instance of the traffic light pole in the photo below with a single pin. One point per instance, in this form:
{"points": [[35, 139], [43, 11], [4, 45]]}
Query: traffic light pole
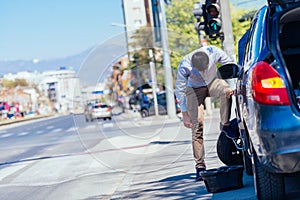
{"points": [[167, 63], [228, 41]]}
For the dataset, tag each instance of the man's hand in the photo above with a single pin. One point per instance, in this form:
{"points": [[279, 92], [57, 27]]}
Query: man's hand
{"points": [[187, 122]]}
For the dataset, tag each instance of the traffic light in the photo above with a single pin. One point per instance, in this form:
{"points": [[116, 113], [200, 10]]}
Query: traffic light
{"points": [[199, 11], [213, 18]]}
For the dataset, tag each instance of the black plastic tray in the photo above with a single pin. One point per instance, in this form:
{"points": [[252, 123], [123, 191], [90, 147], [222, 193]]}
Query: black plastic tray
{"points": [[223, 178]]}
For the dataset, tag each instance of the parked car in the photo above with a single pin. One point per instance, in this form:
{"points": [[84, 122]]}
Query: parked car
{"points": [[147, 107], [268, 111]]}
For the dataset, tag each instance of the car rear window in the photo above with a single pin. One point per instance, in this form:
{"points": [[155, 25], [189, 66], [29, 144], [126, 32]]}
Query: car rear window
{"points": [[100, 106]]}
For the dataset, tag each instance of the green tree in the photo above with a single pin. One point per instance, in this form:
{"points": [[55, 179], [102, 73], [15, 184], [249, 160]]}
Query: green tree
{"points": [[21, 82], [183, 37], [12, 84], [8, 84]]}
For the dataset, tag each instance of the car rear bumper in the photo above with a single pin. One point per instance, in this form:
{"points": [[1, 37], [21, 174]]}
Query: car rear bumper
{"points": [[101, 115], [278, 130]]}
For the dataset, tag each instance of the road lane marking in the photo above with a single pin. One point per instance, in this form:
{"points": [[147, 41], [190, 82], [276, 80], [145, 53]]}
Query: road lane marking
{"points": [[6, 135], [23, 133], [56, 130], [71, 129], [90, 127], [108, 125], [39, 132]]}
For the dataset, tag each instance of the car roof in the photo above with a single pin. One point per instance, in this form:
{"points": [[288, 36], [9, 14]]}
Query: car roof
{"points": [[281, 3]]}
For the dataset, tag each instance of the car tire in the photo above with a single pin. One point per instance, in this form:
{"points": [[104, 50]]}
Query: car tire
{"points": [[227, 151], [267, 185], [144, 113]]}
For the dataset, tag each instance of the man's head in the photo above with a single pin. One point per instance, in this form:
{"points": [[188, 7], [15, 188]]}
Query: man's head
{"points": [[200, 61]]}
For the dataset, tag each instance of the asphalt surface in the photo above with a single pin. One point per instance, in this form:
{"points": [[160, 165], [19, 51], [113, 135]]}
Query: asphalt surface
{"points": [[64, 157]]}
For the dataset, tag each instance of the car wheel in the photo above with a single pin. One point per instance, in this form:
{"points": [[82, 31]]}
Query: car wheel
{"points": [[144, 113], [267, 185], [227, 151]]}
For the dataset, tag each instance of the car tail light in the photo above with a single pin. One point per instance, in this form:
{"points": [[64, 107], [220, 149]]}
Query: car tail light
{"points": [[108, 109], [267, 85]]}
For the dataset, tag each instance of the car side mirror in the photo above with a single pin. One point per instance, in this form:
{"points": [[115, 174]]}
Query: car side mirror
{"points": [[228, 71]]}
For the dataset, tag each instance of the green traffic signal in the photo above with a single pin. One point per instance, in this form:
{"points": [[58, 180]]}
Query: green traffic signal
{"points": [[213, 18], [215, 25]]}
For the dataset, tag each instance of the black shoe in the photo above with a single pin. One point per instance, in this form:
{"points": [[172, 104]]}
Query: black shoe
{"points": [[198, 176], [229, 132]]}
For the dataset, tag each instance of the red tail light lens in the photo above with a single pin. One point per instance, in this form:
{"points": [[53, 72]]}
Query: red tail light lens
{"points": [[108, 109], [267, 86]]}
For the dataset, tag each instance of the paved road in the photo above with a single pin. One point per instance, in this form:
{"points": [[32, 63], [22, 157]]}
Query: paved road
{"points": [[126, 158]]}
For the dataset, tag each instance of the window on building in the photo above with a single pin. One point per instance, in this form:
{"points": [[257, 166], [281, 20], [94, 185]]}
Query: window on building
{"points": [[136, 10], [137, 23]]}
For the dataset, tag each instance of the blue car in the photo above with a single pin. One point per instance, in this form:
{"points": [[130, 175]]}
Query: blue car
{"points": [[147, 107], [268, 93]]}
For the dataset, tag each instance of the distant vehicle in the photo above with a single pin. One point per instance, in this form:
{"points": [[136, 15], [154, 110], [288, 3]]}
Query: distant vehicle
{"points": [[147, 107], [101, 111]]}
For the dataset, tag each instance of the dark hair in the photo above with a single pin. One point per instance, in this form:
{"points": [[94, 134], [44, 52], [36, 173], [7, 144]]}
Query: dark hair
{"points": [[200, 60]]}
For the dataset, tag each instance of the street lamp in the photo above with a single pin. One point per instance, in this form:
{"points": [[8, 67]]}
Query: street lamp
{"points": [[137, 72], [167, 63]]}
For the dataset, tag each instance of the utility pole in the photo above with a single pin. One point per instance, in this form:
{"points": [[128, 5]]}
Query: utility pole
{"points": [[228, 41], [154, 82], [166, 62]]}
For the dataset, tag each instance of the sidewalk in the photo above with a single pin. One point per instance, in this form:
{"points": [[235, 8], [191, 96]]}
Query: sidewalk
{"points": [[162, 167]]}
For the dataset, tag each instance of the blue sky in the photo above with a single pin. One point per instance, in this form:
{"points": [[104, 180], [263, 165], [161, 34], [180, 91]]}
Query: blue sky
{"points": [[46, 29]]}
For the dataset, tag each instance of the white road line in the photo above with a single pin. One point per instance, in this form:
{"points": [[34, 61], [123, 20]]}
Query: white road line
{"points": [[71, 129], [56, 130], [23, 133], [49, 127], [6, 135], [108, 125], [90, 127], [39, 132]]}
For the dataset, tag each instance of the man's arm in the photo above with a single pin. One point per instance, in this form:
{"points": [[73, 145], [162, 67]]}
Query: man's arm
{"points": [[222, 57], [181, 82], [180, 88]]}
